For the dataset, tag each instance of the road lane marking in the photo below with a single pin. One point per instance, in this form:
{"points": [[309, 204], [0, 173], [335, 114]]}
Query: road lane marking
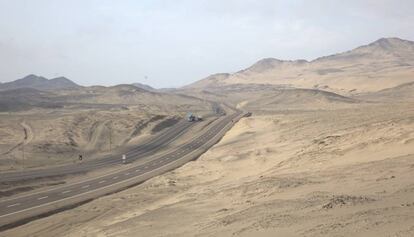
{"points": [[42, 197], [101, 182], [137, 170], [158, 138], [67, 191], [86, 186], [78, 195], [13, 205]]}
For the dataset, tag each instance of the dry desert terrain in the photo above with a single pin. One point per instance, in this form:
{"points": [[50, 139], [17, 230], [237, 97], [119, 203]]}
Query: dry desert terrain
{"points": [[345, 172], [329, 150]]}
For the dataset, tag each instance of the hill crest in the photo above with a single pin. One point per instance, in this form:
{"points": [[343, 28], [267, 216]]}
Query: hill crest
{"points": [[39, 83]]}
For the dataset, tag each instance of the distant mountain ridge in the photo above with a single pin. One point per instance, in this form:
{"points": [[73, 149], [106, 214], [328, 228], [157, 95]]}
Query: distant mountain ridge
{"points": [[39, 83], [384, 63], [117, 96]]}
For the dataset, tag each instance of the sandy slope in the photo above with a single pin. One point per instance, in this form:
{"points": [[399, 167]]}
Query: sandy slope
{"points": [[402, 93], [48, 137], [265, 98], [346, 172]]}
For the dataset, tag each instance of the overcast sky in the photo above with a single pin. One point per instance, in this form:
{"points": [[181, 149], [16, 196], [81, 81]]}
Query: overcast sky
{"points": [[173, 43]]}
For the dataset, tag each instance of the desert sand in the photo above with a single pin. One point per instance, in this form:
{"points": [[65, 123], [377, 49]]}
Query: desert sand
{"points": [[344, 172]]}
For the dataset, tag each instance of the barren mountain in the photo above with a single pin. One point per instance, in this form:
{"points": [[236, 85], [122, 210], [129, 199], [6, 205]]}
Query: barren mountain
{"points": [[385, 63], [40, 83]]}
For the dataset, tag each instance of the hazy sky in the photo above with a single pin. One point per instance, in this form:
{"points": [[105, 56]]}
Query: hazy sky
{"points": [[173, 43]]}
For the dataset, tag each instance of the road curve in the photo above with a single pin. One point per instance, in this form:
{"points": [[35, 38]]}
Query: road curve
{"points": [[24, 208]]}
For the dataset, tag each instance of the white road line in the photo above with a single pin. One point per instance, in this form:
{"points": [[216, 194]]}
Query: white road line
{"points": [[137, 170], [115, 177], [101, 182], [42, 198], [67, 191], [67, 198]]}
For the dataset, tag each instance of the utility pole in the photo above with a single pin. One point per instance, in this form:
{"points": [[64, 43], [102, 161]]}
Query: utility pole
{"points": [[24, 142], [110, 139], [23, 155]]}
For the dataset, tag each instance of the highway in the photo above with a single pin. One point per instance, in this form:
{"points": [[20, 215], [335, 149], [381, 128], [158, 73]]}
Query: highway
{"points": [[25, 207], [148, 148]]}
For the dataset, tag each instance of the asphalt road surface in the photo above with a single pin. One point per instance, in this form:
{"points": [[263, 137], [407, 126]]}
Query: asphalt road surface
{"points": [[14, 208], [149, 148]]}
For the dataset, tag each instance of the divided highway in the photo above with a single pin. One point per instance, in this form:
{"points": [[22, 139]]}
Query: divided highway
{"points": [[25, 207], [144, 150]]}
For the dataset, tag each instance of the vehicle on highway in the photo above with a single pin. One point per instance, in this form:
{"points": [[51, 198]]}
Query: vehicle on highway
{"points": [[193, 118]]}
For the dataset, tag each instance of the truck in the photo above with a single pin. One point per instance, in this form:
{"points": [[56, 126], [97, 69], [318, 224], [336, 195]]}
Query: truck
{"points": [[193, 118]]}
